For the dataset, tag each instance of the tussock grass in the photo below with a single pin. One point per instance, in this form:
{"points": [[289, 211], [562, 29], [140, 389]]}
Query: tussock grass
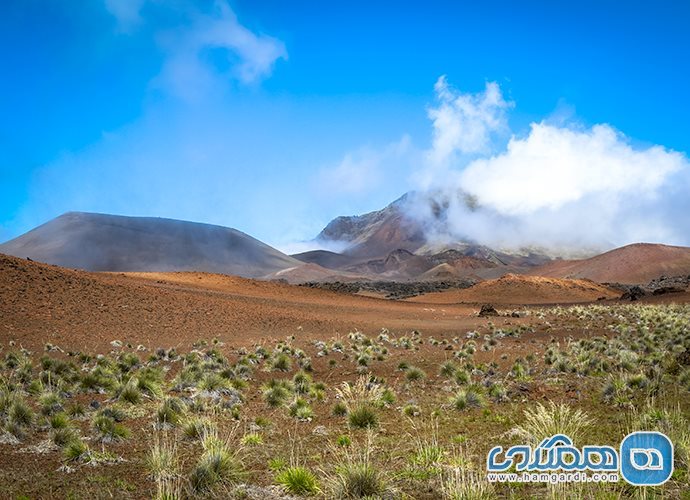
{"points": [[542, 421], [298, 480]]}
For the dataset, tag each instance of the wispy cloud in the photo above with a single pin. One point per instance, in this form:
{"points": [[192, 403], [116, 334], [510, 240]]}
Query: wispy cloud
{"points": [[206, 49], [363, 171], [214, 49], [127, 13]]}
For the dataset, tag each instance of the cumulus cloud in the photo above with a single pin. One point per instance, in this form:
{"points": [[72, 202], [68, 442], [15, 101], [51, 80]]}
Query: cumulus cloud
{"points": [[556, 166], [562, 187], [465, 123]]}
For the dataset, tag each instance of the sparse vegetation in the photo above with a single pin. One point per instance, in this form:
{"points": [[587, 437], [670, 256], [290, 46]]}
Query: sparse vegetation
{"points": [[398, 429]]}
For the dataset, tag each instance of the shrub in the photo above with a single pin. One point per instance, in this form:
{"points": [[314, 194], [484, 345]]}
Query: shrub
{"points": [[415, 374], [466, 399], [387, 397], [20, 413], [197, 427], [302, 382], [108, 429], [252, 439], [63, 436], [162, 459], [277, 464], [297, 480], [282, 363], [339, 409], [59, 421], [76, 409], [50, 403], [276, 393], [545, 421], [130, 393], [363, 417], [170, 411], [498, 392], [76, 450], [300, 409], [447, 369], [462, 377], [411, 410], [343, 440], [355, 475], [216, 465]]}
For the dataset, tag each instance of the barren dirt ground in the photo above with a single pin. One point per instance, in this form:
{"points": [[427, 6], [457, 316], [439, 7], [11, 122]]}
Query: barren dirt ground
{"points": [[229, 335]]}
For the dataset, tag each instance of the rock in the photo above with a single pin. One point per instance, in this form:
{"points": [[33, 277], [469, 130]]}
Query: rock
{"points": [[667, 289], [487, 310], [633, 294], [320, 430]]}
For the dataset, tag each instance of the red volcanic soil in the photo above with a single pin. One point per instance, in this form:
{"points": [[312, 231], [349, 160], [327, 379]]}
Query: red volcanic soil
{"points": [[634, 264], [514, 289], [78, 310]]}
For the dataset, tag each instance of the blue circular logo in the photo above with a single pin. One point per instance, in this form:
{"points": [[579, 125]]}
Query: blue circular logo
{"points": [[646, 458]]}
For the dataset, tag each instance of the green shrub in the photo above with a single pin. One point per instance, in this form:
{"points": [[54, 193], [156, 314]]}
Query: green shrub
{"points": [[467, 399], [462, 377], [447, 369], [282, 363], [20, 413], [197, 427], [363, 417], [170, 412], [76, 450], [108, 429], [339, 409], [59, 421], [63, 436], [298, 480], [411, 410], [415, 374]]}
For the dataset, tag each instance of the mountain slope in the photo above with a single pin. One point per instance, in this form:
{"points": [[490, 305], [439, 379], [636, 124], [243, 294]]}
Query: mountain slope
{"points": [[378, 233], [632, 264], [514, 289], [99, 242]]}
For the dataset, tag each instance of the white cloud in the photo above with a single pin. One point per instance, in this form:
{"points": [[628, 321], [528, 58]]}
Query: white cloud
{"points": [[555, 166], [126, 12], [563, 187], [189, 71], [363, 171], [465, 123]]}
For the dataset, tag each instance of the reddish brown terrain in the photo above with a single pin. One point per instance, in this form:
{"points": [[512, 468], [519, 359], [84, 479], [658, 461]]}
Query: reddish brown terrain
{"points": [[42, 303], [634, 264], [514, 289]]}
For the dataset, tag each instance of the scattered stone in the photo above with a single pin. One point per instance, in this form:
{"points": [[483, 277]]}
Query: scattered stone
{"points": [[320, 430], [7, 438]]}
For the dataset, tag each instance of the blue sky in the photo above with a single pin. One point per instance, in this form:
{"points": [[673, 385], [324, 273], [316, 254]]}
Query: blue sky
{"points": [[273, 117]]}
